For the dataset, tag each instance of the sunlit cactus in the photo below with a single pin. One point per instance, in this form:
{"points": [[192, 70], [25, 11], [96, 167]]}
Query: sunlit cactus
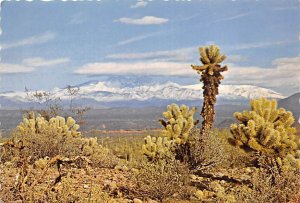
{"points": [[268, 130], [179, 121], [38, 124], [157, 148], [211, 77]]}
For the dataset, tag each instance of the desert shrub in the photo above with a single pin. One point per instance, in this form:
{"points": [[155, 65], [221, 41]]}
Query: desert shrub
{"points": [[268, 130], [99, 155], [161, 180], [235, 157], [204, 152], [37, 138], [270, 187]]}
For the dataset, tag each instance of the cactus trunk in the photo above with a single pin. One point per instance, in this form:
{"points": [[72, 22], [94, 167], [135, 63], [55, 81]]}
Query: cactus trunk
{"points": [[210, 87], [211, 77]]}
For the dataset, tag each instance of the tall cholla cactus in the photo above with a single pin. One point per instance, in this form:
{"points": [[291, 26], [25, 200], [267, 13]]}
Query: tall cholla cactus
{"points": [[211, 77], [157, 148], [180, 120], [268, 130], [39, 124]]}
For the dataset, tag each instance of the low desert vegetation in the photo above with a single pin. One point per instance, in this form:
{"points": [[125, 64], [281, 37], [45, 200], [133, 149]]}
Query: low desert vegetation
{"points": [[48, 158]]}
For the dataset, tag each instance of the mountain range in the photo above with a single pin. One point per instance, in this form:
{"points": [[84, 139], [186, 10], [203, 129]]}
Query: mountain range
{"points": [[114, 93], [137, 104]]}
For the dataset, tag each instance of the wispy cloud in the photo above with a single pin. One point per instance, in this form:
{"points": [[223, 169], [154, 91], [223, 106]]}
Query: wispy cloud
{"points": [[146, 20], [234, 17], [31, 65], [78, 18], [259, 45], [182, 54], [176, 55], [139, 4], [14, 68], [40, 62], [38, 39], [136, 68], [137, 38]]}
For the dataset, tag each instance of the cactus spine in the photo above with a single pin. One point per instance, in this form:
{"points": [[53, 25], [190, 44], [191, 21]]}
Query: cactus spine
{"points": [[211, 77], [268, 130]]}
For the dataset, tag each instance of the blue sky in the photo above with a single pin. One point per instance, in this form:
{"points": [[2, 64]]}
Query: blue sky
{"points": [[53, 44]]}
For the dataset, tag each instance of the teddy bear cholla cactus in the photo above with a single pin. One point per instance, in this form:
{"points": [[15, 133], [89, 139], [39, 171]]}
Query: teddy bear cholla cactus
{"points": [[38, 124], [179, 122], [211, 77], [268, 130], [157, 148]]}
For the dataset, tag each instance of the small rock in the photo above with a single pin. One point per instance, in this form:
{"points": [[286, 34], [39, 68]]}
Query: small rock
{"points": [[86, 186], [136, 200]]}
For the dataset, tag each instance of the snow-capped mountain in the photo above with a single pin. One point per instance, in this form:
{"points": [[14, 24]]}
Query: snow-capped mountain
{"points": [[104, 93]]}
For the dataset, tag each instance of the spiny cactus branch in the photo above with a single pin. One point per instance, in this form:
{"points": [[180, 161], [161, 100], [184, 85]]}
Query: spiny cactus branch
{"points": [[211, 77]]}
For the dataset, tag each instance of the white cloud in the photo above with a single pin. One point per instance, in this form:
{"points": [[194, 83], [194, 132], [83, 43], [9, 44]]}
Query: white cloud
{"points": [[14, 68], [39, 39], [139, 4], [31, 65], [285, 72], [39, 62], [147, 20], [136, 68]]}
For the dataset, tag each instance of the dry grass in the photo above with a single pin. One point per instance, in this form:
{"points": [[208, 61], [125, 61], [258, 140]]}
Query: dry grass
{"points": [[161, 180]]}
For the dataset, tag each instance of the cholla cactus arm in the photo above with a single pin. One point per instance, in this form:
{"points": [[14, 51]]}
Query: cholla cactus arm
{"points": [[266, 129], [157, 148], [211, 77], [179, 121]]}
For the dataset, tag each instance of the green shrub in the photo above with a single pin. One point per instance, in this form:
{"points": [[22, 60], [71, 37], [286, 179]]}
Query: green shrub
{"points": [[36, 138]]}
